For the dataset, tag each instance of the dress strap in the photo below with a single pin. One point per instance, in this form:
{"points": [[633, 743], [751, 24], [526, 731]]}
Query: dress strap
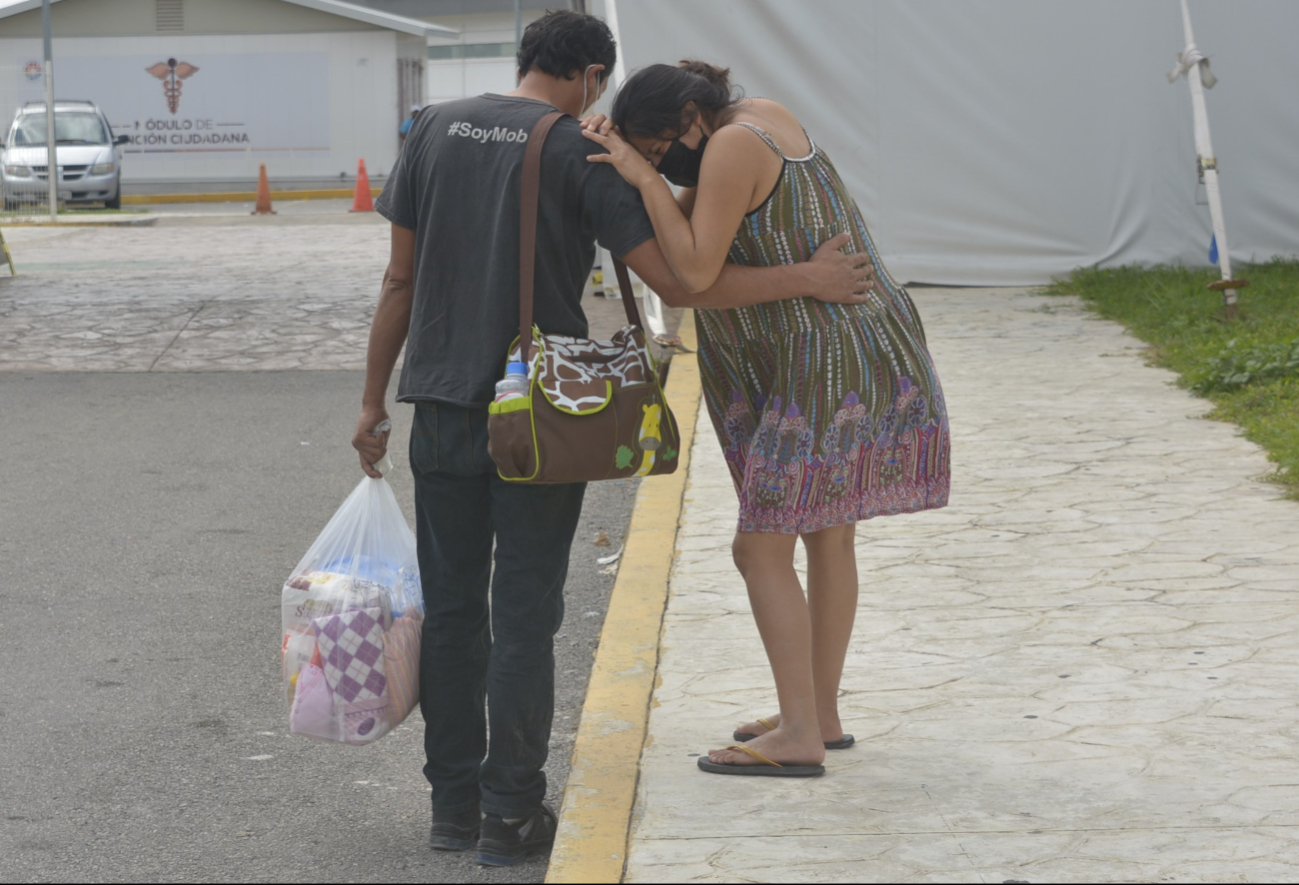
{"points": [[762, 133], [771, 142]]}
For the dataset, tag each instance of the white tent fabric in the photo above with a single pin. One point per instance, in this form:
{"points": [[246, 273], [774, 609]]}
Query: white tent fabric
{"points": [[998, 142]]}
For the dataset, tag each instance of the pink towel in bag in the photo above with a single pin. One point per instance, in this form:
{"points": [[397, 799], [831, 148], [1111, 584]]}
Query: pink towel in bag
{"points": [[351, 647], [313, 706]]}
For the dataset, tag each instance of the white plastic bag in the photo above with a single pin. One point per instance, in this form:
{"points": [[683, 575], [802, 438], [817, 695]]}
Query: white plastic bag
{"points": [[352, 613]]}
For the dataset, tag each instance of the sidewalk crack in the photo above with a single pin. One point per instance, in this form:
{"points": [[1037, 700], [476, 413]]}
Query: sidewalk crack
{"points": [[204, 305], [179, 332], [952, 833]]}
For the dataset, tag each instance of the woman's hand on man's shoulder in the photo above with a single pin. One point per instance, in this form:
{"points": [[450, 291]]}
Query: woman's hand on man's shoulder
{"points": [[598, 123], [637, 170]]}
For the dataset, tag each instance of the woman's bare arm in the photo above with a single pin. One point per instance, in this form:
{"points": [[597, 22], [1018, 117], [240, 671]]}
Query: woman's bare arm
{"points": [[695, 246], [830, 275]]}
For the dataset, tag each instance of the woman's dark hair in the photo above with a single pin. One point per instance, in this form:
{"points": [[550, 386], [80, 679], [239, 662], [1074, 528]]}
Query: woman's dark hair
{"points": [[563, 44], [650, 104]]}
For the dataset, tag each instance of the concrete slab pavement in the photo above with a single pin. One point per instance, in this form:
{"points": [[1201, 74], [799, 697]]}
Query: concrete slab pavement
{"points": [[204, 292], [1082, 670]]}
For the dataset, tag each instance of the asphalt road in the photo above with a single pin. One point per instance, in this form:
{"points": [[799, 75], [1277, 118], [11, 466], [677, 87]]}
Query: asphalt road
{"points": [[146, 523]]}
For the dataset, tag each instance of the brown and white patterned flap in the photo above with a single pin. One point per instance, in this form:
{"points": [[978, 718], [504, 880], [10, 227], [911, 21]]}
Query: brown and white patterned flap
{"points": [[577, 374]]}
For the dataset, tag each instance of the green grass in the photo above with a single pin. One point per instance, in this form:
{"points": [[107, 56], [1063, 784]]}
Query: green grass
{"points": [[1248, 368]]}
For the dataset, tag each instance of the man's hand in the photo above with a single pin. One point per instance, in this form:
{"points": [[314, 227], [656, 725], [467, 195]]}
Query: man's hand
{"points": [[837, 277], [371, 448]]}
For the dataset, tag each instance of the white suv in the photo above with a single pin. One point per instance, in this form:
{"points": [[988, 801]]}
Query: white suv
{"points": [[90, 162]]}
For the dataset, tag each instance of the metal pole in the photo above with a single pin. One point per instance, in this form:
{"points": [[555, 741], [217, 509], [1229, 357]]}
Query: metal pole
{"points": [[518, 24], [653, 304], [1208, 163], [51, 143], [619, 72]]}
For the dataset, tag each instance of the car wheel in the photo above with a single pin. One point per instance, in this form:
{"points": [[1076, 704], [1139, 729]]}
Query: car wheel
{"points": [[115, 202]]}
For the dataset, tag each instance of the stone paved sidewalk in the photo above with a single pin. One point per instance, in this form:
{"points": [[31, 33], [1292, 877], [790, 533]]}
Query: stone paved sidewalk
{"points": [[210, 291], [1084, 669], [255, 295]]}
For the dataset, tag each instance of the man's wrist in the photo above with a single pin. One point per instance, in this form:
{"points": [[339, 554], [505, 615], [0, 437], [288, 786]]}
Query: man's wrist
{"points": [[802, 279]]}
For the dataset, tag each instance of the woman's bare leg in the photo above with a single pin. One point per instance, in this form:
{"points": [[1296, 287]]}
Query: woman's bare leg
{"points": [[832, 601], [832, 606], [766, 560]]}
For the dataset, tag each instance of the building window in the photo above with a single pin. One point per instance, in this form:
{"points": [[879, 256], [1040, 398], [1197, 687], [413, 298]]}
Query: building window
{"points": [[169, 16], [471, 50]]}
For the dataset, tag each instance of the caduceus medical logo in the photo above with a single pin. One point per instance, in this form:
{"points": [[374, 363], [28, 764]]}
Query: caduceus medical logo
{"points": [[171, 73]]}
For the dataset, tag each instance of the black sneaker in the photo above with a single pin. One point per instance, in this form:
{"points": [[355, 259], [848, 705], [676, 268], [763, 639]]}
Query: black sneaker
{"points": [[455, 832], [502, 844]]}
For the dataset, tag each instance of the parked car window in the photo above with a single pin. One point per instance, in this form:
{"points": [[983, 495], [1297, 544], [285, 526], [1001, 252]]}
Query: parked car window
{"points": [[69, 128]]}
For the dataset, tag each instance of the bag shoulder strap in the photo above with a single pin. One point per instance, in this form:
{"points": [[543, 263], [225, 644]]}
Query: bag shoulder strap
{"points": [[529, 195]]}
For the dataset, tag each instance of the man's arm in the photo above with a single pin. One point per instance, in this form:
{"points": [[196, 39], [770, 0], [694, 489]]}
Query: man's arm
{"points": [[830, 275], [388, 332]]}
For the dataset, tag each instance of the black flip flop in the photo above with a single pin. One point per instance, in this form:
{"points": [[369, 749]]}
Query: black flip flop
{"points": [[768, 768]]}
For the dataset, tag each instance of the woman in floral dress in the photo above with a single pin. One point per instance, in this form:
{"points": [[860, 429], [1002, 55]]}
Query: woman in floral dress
{"points": [[828, 413]]}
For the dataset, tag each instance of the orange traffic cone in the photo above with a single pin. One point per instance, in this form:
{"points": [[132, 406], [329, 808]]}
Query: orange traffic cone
{"points": [[362, 201], [263, 194]]}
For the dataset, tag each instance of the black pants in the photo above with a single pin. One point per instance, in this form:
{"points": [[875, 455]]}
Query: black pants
{"points": [[472, 652]]}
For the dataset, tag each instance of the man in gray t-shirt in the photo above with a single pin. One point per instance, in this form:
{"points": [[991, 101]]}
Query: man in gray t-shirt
{"points": [[450, 296], [456, 185]]}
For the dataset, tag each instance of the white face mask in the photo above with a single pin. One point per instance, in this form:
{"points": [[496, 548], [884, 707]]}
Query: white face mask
{"points": [[585, 106]]}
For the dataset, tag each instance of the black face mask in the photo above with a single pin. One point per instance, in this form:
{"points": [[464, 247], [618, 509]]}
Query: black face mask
{"points": [[680, 164]]}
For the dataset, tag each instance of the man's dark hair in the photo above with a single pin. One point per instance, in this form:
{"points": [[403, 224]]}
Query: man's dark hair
{"points": [[563, 44]]}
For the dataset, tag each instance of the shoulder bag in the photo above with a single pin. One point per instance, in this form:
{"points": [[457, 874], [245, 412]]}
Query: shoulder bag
{"points": [[594, 409]]}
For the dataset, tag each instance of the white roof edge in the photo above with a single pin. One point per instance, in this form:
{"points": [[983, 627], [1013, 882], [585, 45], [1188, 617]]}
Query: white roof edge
{"points": [[336, 7], [20, 6], [367, 15]]}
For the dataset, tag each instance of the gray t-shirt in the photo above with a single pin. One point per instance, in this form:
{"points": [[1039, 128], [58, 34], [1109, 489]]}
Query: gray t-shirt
{"points": [[456, 184]]}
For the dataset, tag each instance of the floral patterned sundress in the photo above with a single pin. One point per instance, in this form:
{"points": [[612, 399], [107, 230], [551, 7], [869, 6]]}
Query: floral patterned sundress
{"points": [[828, 413]]}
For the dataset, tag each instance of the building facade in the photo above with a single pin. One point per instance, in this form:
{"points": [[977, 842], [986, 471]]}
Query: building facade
{"points": [[209, 89], [481, 58]]}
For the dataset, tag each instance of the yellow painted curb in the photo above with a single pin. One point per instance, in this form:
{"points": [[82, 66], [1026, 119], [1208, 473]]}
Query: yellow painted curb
{"points": [[245, 196], [595, 821]]}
